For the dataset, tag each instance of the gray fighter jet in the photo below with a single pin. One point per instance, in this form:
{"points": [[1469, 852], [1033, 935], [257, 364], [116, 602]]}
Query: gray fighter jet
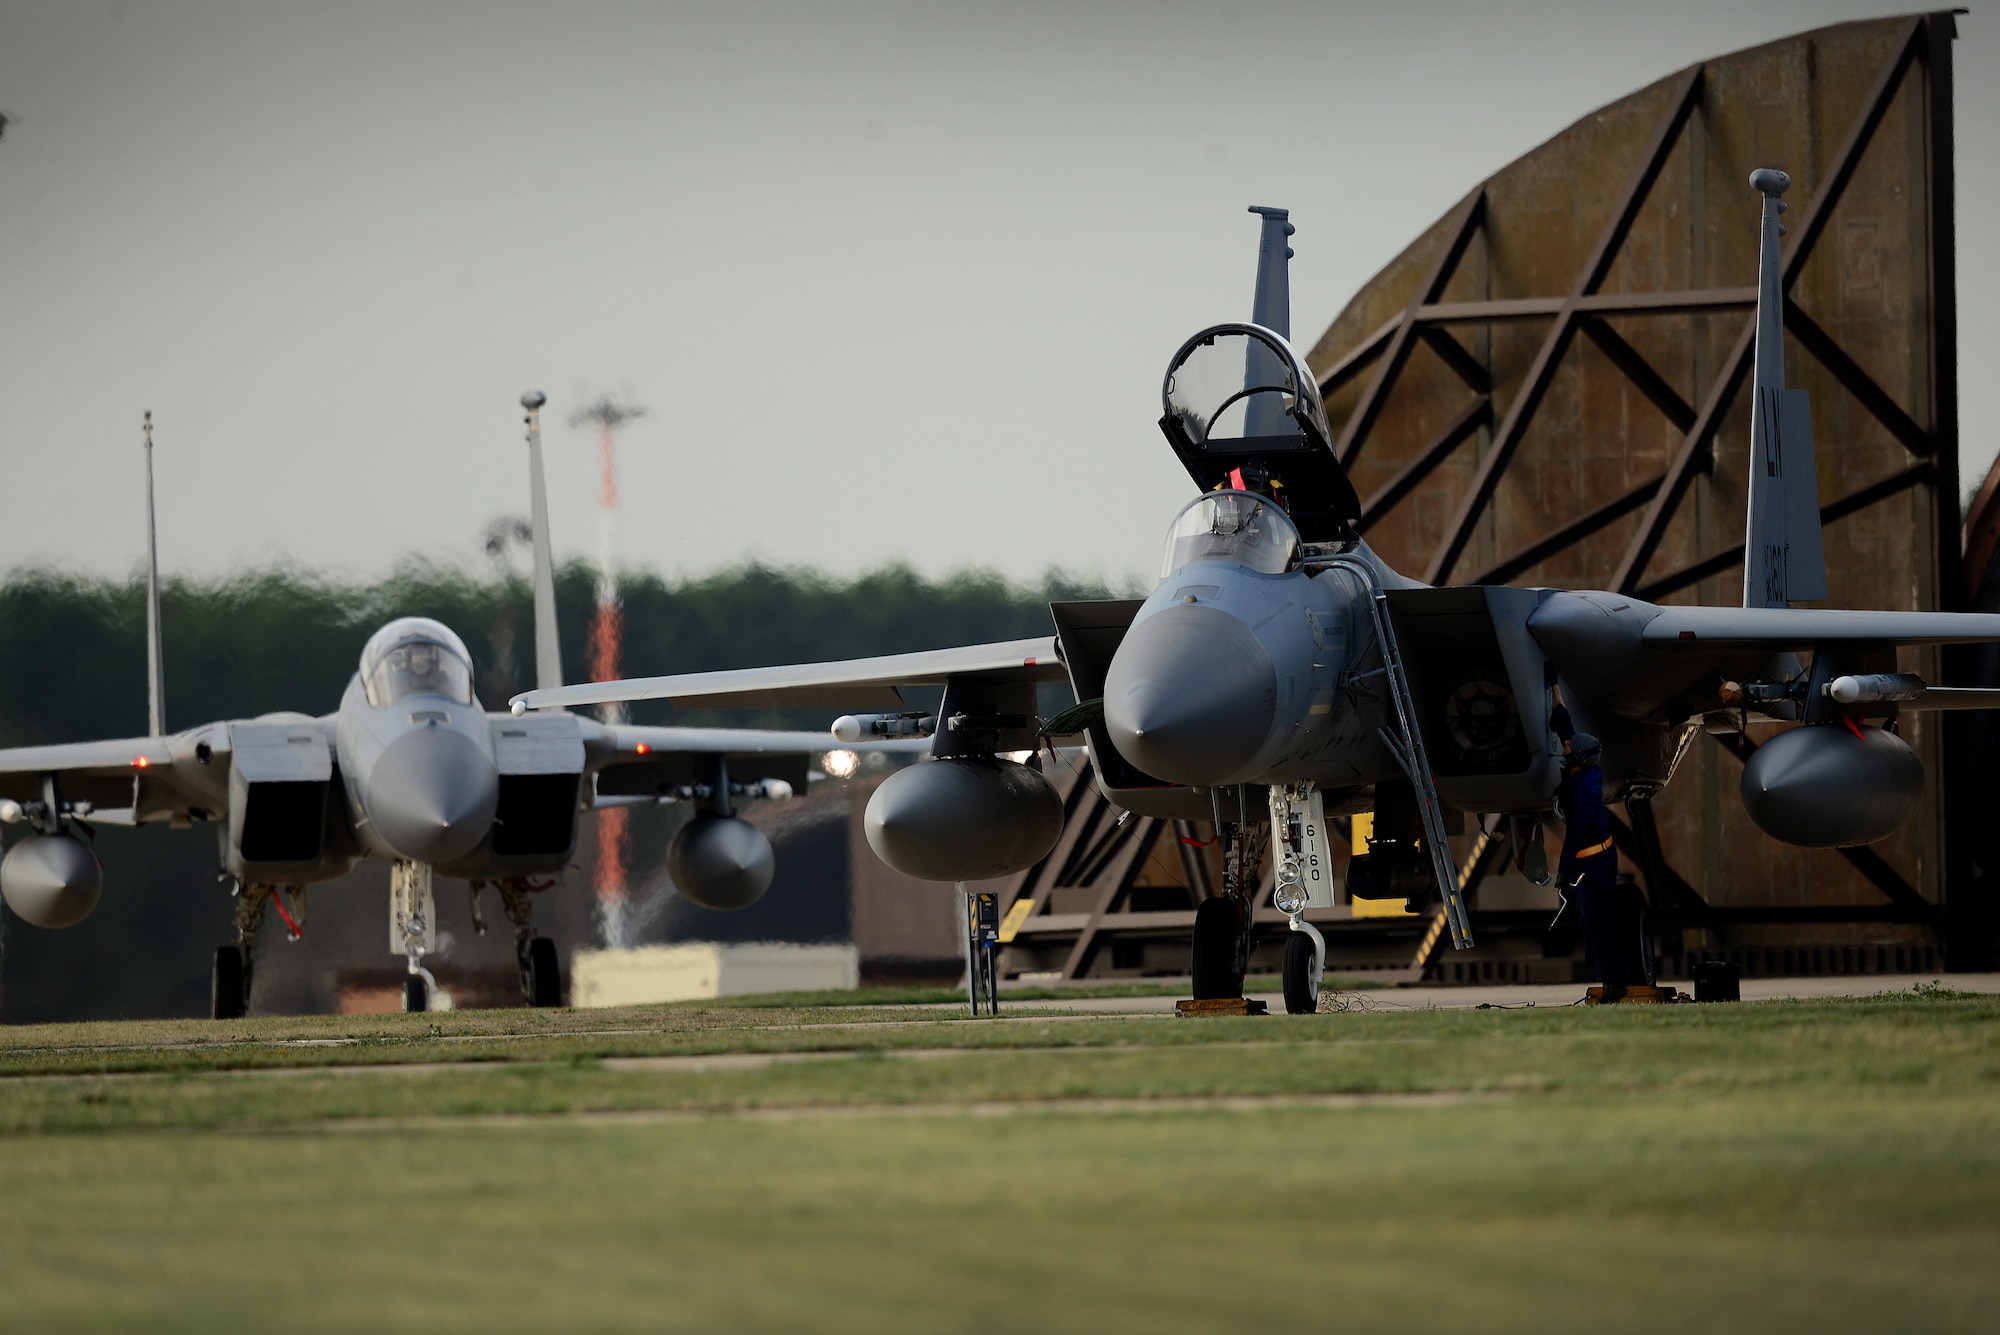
{"points": [[1281, 673], [409, 769]]}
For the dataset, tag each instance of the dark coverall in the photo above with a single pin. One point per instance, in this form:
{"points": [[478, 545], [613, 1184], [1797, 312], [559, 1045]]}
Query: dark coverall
{"points": [[1588, 870]]}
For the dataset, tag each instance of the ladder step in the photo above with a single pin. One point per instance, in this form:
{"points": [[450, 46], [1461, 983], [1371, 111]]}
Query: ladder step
{"points": [[1407, 747]]}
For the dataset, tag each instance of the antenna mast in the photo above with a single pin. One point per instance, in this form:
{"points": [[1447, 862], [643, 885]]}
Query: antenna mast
{"points": [[156, 677]]}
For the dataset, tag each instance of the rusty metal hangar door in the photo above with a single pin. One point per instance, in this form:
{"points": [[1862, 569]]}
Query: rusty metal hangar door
{"points": [[1543, 389]]}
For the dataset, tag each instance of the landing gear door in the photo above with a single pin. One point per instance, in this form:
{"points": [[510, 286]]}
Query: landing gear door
{"points": [[1299, 838], [1319, 852]]}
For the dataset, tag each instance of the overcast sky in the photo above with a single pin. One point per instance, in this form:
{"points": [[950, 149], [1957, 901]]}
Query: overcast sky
{"points": [[893, 282]]}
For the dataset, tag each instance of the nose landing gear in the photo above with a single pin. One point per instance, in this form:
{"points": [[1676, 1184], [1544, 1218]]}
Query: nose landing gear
{"points": [[1303, 880], [1305, 965], [413, 929]]}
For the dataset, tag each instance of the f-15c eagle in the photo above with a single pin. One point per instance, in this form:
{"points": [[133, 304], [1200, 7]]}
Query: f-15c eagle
{"points": [[1281, 672], [409, 769]]}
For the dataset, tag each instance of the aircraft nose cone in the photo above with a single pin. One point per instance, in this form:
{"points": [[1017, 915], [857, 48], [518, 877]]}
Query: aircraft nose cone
{"points": [[1190, 696], [432, 793]]}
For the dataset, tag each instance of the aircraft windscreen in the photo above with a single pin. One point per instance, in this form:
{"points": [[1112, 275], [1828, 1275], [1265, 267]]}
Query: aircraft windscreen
{"points": [[1240, 383], [415, 656], [1238, 526]]}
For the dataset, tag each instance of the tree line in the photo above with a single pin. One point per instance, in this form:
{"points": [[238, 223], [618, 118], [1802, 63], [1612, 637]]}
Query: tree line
{"points": [[73, 668]]}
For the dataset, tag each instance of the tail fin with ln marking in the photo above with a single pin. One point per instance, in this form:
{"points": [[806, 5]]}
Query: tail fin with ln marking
{"points": [[1784, 561], [1271, 307], [548, 648]]}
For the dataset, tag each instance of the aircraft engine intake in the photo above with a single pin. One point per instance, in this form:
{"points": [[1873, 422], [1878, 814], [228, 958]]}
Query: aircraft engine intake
{"points": [[51, 880], [1827, 786], [964, 819], [720, 862]]}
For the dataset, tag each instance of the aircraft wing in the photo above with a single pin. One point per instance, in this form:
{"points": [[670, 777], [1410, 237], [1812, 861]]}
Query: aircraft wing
{"points": [[1782, 629], [743, 741], [1639, 660], [634, 761], [127, 779], [857, 683]]}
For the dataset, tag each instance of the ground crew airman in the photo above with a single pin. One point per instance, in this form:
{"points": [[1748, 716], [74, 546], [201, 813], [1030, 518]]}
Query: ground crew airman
{"points": [[1588, 871]]}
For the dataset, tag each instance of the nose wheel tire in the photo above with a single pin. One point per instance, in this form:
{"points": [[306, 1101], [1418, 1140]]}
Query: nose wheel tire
{"points": [[1301, 990], [416, 995], [1217, 923], [228, 996], [543, 974]]}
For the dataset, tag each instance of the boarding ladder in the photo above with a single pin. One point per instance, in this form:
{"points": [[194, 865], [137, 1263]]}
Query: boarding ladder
{"points": [[1407, 744]]}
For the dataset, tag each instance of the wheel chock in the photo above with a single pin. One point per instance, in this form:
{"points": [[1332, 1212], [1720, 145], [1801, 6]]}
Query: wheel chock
{"points": [[1222, 1006], [1639, 994]]}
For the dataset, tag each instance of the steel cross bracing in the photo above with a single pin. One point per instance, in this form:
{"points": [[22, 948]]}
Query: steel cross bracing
{"points": [[1584, 311], [1695, 451]]}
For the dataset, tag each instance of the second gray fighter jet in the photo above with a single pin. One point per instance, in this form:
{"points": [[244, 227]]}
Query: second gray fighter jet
{"points": [[410, 769]]}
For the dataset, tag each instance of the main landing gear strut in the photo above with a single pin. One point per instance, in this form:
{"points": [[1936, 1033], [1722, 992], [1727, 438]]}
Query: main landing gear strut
{"points": [[1223, 924], [541, 968], [229, 979]]}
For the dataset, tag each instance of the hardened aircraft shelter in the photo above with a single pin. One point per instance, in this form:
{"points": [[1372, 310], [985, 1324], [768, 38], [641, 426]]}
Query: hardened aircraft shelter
{"points": [[1546, 388]]}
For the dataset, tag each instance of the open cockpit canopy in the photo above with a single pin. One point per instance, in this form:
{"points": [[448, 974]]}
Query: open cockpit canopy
{"points": [[1243, 411], [1233, 385], [415, 656]]}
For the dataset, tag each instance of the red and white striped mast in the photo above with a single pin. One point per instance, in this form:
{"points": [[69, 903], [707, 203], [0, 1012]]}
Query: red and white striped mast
{"points": [[606, 634]]}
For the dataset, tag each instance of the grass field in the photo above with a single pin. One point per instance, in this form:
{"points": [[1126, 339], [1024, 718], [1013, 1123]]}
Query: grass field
{"points": [[1772, 1166]]}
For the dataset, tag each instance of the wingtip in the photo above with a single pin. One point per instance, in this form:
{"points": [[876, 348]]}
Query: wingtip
{"points": [[1770, 181]]}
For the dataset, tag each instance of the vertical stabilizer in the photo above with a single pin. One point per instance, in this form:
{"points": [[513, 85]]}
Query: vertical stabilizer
{"points": [[156, 672], [1783, 559], [1271, 307], [548, 648]]}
